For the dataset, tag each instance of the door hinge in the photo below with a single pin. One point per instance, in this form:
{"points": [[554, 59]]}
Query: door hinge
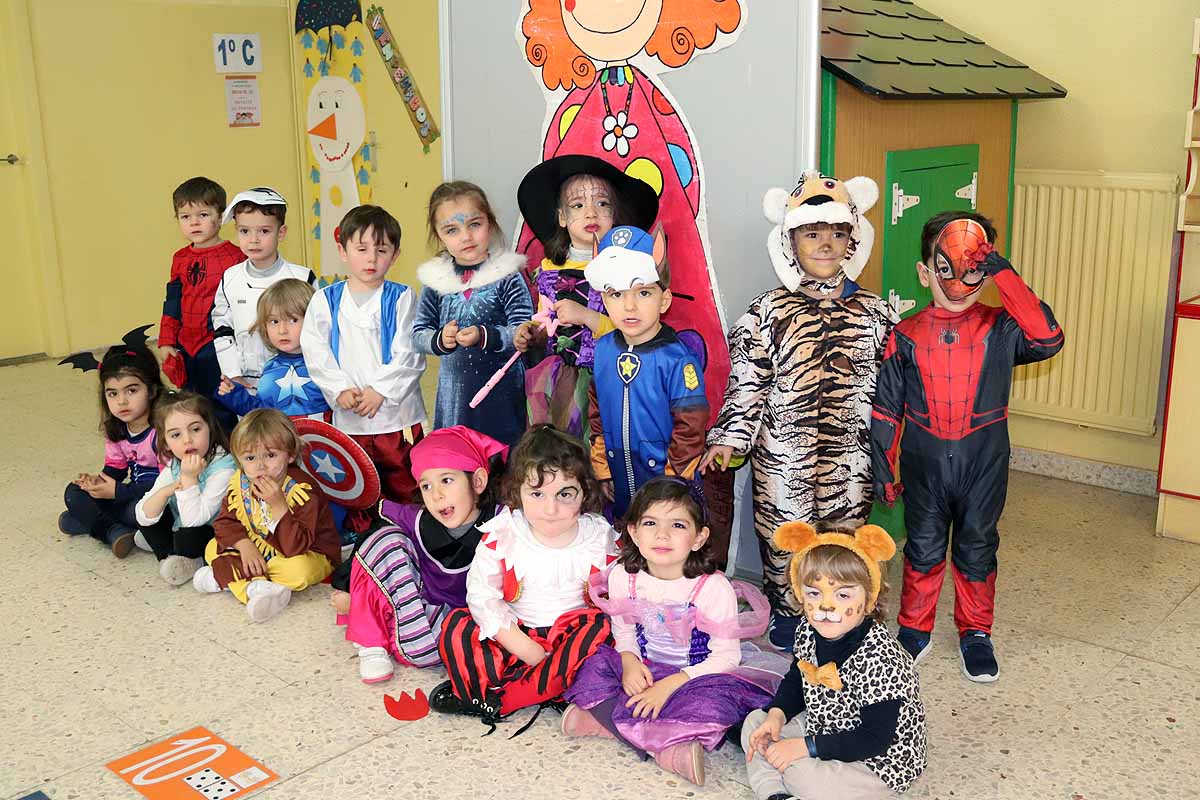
{"points": [[969, 191], [901, 202]]}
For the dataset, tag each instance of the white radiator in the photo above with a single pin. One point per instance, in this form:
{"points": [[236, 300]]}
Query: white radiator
{"points": [[1097, 247]]}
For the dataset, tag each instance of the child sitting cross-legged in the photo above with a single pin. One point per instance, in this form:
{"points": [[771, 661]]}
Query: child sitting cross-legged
{"points": [[847, 721], [673, 684], [407, 576], [276, 534], [527, 627]]}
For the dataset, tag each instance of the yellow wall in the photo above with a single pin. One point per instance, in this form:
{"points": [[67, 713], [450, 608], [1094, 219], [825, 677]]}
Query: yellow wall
{"points": [[130, 106], [406, 175], [1128, 70]]}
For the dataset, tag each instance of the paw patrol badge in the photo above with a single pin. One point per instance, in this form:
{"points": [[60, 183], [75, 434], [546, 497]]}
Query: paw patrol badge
{"points": [[690, 380], [628, 366]]}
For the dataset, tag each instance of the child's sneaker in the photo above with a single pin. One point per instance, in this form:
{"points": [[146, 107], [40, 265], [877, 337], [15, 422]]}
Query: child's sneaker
{"points": [[916, 643], [264, 600], [139, 541], [374, 664], [178, 570], [71, 526], [120, 539], [781, 632], [205, 581], [578, 721], [978, 657], [685, 759]]}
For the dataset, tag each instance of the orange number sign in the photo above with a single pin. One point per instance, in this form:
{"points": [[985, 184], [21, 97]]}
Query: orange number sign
{"points": [[196, 764]]}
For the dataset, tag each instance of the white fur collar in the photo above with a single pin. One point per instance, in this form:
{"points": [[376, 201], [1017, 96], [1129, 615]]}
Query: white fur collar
{"points": [[438, 273]]}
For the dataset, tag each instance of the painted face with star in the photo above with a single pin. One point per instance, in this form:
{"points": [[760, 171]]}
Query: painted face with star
{"points": [[834, 608]]}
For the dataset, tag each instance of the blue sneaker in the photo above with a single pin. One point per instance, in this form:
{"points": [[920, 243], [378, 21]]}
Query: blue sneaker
{"points": [[978, 657], [71, 526], [781, 633], [916, 643]]}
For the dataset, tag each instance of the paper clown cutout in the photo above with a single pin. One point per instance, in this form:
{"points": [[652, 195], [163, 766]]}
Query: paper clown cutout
{"points": [[597, 60], [337, 124]]}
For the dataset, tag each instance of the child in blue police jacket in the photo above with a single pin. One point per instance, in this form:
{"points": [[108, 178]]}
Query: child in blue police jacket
{"points": [[648, 410]]}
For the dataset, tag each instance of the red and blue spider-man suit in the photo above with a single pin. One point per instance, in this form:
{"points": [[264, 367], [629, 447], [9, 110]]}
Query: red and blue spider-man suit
{"points": [[946, 376]]}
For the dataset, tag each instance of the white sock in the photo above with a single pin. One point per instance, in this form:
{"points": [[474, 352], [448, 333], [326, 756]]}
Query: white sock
{"points": [[139, 540]]}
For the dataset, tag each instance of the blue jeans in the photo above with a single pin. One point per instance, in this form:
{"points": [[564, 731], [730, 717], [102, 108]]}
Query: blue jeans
{"points": [[100, 516]]}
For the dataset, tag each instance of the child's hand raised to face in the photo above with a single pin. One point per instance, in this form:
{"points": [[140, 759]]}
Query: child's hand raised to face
{"points": [[191, 465]]}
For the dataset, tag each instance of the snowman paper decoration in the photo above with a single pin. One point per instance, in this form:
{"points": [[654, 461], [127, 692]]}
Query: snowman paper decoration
{"points": [[336, 127]]}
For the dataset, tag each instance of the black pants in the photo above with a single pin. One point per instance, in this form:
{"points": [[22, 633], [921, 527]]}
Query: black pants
{"points": [[204, 378], [99, 516], [186, 542]]}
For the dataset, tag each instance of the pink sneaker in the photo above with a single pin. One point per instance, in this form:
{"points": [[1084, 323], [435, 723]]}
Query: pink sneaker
{"points": [[685, 760], [578, 721]]}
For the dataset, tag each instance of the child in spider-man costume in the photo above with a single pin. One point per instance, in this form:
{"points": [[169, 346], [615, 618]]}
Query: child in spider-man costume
{"points": [[945, 380]]}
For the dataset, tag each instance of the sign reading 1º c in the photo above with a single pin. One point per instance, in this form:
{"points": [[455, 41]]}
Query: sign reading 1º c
{"points": [[237, 52]]}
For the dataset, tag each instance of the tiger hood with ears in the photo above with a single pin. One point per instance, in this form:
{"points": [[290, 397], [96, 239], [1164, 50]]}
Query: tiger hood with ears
{"points": [[820, 198]]}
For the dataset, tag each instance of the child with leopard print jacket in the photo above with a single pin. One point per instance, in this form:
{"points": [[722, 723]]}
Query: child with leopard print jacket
{"points": [[805, 357], [847, 721]]}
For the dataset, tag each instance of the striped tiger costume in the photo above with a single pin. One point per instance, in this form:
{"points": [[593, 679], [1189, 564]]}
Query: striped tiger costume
{"points": [[798, 403]]}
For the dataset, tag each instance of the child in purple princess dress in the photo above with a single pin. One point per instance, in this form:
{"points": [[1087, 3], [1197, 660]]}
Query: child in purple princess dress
{"points": [[677, 678]]}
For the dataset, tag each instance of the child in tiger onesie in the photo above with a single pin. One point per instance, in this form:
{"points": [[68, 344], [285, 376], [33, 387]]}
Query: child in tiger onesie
{"points": [[804, 361]]}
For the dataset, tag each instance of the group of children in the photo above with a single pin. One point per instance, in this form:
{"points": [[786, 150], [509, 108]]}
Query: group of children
{"points": [[548, 540]]}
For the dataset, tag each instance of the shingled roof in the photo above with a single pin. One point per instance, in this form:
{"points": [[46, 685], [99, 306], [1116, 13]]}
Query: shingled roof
{"points": [[894, 49]]}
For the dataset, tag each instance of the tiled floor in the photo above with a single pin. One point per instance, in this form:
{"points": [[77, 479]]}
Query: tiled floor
{"points": [[1098, 631]]}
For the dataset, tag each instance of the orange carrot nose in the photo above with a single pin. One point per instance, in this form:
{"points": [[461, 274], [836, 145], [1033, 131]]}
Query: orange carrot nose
{"points": [[326, 128]]}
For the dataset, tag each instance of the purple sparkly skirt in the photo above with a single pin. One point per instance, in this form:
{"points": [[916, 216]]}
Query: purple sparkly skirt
{"points": [[702, 709]]}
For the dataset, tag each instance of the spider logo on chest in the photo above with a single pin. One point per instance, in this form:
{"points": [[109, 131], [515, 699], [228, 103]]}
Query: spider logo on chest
{"points": [[948, 336], [196, 273]]}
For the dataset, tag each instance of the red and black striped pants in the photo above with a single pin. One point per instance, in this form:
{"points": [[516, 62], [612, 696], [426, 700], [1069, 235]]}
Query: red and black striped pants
{"points": [[476, 666]]}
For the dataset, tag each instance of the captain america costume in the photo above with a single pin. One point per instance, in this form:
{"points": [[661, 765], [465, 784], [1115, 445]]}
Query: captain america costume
{"points": [[284, 385], [942, 400]]}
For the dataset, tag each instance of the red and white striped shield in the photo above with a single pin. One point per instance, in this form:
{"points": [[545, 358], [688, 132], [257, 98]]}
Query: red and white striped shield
{"points": [[338, 465]]}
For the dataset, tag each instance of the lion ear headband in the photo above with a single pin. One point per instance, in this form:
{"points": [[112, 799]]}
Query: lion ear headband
{"points": [[870, 543]]}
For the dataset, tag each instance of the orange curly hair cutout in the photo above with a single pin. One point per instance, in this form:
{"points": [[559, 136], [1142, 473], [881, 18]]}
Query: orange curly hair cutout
{"points": [[683, 27], [686, 25], [548, 46]]}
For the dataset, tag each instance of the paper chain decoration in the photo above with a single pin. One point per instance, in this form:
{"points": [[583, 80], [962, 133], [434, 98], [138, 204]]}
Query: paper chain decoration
{"points": [[418, 111]]}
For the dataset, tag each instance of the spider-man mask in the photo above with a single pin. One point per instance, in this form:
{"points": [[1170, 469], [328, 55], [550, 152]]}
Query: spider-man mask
{"points": [[958, 251]]}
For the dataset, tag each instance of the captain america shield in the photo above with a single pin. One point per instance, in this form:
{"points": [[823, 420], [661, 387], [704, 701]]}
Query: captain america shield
{"points": [[338, 465]]}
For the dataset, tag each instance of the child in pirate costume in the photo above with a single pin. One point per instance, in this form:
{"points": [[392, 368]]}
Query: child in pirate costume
{"points": [[804, 360], [847, 722], [406, 577], [473, 302], [648, 410], [527, 626], [276, 534], [570, 202], [943, 402]]}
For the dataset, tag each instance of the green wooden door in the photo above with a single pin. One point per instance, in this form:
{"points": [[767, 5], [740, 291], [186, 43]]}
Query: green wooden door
{"points": [[920, 183]]}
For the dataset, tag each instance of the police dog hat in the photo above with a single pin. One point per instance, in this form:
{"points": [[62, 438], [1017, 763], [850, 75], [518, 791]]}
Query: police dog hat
{"points": [[538, 193]]}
